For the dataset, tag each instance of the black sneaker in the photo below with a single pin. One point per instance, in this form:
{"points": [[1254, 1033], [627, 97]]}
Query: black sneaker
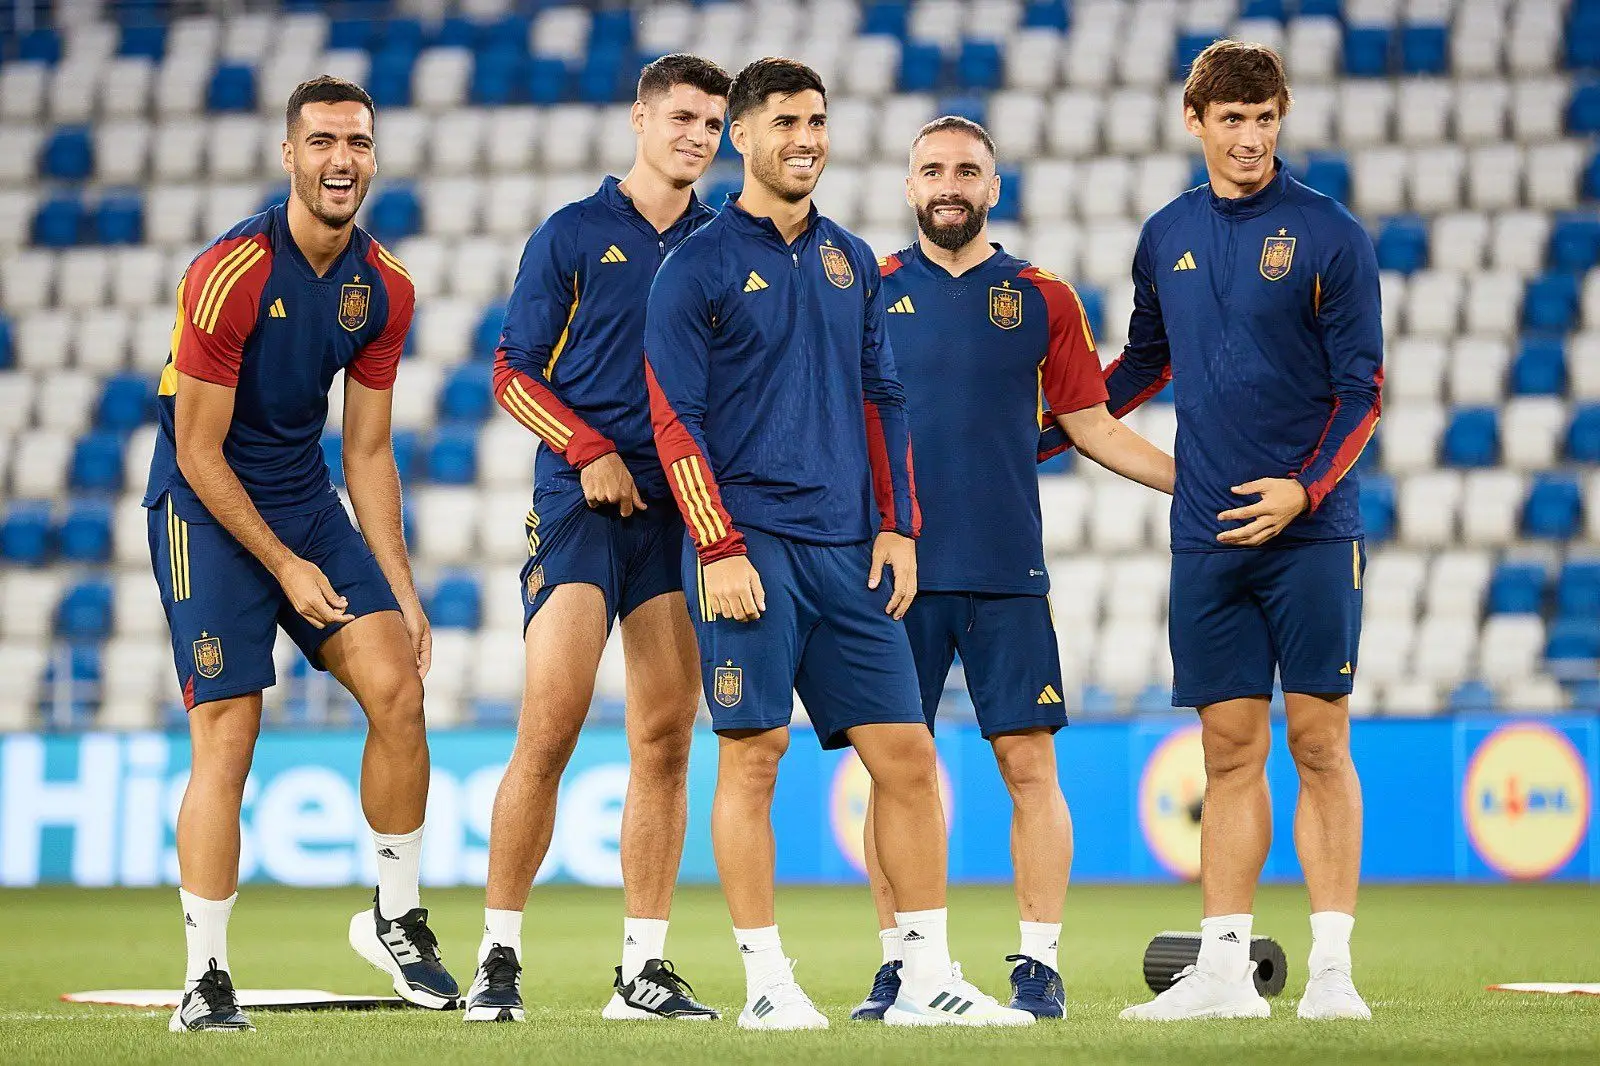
{"points": [[496, 992], [1036, 988], [885, 989], [659, 992], [210, 1006], [406, 949]]}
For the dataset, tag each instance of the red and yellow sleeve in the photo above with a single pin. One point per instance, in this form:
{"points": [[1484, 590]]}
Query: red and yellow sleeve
{"points": [[218, 302], [1069, 375], [376, 365]]}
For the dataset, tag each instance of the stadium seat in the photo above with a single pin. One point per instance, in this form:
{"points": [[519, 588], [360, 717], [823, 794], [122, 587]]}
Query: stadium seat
{"points": [[1480, 111], [1583, 437], [395, 214], [1583, 111], [1425, 118], [1553, 508], [1551, 303], [84, 535], [1540, 368], [1575, 243], [1491, 506], [1472, 438], [84, 613], [1578, 589], [232, 88], [456, 602], [97, 462], [1329, 174], [1510, 647], [1472, 697], [1573, 648], [1367, 51], [465, 396], [1424, 49], [25, 533], [1477, 370], [1377, 507], [1402, 244], [1517, 588]]}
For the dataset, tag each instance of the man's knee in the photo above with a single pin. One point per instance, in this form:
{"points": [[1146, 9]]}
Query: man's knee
{"points": [[901, 760], [660, 747], [751, 765], [1321, 749], [1235, 746], [392, 697], [1027, 763]]}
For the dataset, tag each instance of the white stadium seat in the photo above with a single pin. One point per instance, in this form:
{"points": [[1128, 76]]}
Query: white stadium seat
{"points": [[1510, 648], [1583, 366], [1392, 584], [1477, 370], [440, 80], [1425, 117], [22, 91], [1427, 506], [1480, 112], [1531, 431], [1456, 583], [1491, 506], [21, 678], [1457, 241], [1385, 648]]}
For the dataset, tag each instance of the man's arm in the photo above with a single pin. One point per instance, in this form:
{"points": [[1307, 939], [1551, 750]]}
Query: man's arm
{"points": [[1119, 449], [889, 453], [1145, 365]]}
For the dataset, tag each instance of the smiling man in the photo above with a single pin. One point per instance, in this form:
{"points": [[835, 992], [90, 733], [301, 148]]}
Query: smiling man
{"points": [[247, 534], [1258, 298]]}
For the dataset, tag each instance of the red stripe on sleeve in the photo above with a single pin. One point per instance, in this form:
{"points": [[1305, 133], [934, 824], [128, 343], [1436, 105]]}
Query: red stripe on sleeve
{"points": [[1070, 372], [378, 362], [691, 479], [1149, 390], [1343, 459], [221, 301], [888, 265], [882, 476], [531, 402]]}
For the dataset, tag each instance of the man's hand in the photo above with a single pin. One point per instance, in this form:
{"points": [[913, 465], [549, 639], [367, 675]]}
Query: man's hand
{"points": [[734, 589], [1282, 501], [421, 633], [900, 553], [607, 480], [310, 593]]}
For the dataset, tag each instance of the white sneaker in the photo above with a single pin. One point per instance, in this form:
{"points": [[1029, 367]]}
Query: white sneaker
{"points": [[780, 1003], [1200, 993], [1331, 995], [956, 1002]]}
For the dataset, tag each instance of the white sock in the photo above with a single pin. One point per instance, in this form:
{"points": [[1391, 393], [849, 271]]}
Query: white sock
{"points": [[399, 856], [205, 932], [643, 939], [1225, 945], [927, 947], [762, 953], [503, 928], [893, 950], [1330, 941], [1040, 941]]}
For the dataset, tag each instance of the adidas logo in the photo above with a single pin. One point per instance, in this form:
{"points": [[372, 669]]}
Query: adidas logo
{"points": [[754, 283], [762, 1007], [902, 306], [1229, 937], [1345, 669], [912, 937], [629, 942], [189, 921], [746, 949], [952, 1004], [1049, 695], [613, 254], [1186, 263], [275, 310], [1054, 944], [387, 853]]}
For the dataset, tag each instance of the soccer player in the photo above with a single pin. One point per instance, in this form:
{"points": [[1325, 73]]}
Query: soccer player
{"points": [[247, 534], [1258, 298], [779, 421], [604, 541], [983, 341]]}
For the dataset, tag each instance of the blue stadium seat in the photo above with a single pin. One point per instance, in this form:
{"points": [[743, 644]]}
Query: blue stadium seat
{"points": [[1583, 36], [1551, 303], [68, 155], [5, 343], [352, 33], [40, 46], [612, 26], [1575, 242], [547, 80], [85, 533], [407, 446], [1472, 697], [1377, 507], [1367, 50], [1331, 8], [1553, 507], [1591, 178], [1583, 436], [455, 31], [607, 75], [1093, 302], [456, 603], [1540, 368], [25, 532], [233, 88], [401, 35], [507, 31], [85, 611], [1583, 110], [886, 17], [972, 106], [1517, 588], [1424, 49], [333, 455], [1403, 244], [1009, 209], [1578, 589], [1190, 45], [1472, 438], [1584, 695], [486, 338], [1046, 15], [921, 67], [465, 396], [389, 80], [1329, 174], [144, 40], [119, 218], [979, 65], [97, 461], [1573, 646], [453, 456], [396, 214], [60, 221], [498, 75]]}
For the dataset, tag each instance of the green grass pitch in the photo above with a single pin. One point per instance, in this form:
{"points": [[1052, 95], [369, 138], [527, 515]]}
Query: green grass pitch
{"points": [[1423, 954]]}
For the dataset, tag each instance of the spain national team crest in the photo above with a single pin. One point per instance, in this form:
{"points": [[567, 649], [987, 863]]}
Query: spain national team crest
{"points": [[837, 264], [208, 656], [728, 685], [353, 302], [535, 582], [1005, 306], [1277, 255]]}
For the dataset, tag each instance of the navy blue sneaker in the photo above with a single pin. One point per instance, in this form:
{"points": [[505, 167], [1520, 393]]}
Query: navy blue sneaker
{"points": [[406, 949], [659, 992], [210, 1006], [496, 993], [885, 989], [1036, 988]]}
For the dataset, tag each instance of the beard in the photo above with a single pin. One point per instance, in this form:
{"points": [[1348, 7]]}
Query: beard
{"points": [[308, 187], [952, 238], [778, 180]]}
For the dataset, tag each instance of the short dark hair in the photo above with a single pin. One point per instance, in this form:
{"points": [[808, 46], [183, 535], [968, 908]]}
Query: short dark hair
{"points": [[680, 68], [764, 77], [1240, 72], [958, 123], [326, 89]]}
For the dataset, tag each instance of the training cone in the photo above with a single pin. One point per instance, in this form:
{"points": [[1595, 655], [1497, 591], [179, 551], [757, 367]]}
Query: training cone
{"points": [[1170, 952]]}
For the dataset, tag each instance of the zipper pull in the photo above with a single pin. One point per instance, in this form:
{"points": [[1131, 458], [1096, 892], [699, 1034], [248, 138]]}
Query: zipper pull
{"points": [[796, 257]]}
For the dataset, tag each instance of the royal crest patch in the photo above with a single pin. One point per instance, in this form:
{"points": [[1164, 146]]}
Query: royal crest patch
{"points": [[353, 303], [1277, 256], [1005, 306], [837, 266]]}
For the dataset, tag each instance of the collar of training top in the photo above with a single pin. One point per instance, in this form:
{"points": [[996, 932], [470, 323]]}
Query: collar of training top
{"points": [[611, 194], [1257, 203], [749, 223]]}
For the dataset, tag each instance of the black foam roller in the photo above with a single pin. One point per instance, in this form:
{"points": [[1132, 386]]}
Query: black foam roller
{"points": [[1170, 952]]}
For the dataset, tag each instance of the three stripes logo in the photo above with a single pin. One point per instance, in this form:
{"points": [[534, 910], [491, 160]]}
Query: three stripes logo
{"points": [[388, 853], [276, 309], [195, 1007], [1345, 669], [754, 283], [1049, 695], [762, 1007], [1230, 937], [400, 947], [902, 306], [950, 1004], [1186, 262], [613, 254], [220, 282], [648, 994]]}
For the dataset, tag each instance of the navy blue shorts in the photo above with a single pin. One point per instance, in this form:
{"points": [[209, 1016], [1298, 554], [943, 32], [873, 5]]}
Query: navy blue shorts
{"points": [[824, 635], [1242, 614], [224, 608], [631, 560], [1008, 650]]}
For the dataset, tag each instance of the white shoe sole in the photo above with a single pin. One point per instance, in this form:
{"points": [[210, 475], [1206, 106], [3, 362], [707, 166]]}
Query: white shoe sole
{"points": [[750, 1021], [492, 1014], [176, 1026], [618, 1010], [898, 1015], [1259, 1008], [1336, 1015], [364, 939]]}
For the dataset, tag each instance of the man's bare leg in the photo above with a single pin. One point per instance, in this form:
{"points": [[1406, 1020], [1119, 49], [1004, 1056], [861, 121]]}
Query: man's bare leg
{"points": [[1041, 838]]}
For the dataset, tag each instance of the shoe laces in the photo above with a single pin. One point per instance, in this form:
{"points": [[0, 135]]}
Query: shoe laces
{"points": [[785, 991], [1337, 981], [887, 981], [1034, 979], [500, 968], [216, 988], [668, 975], [967, 989], [415, 925]]}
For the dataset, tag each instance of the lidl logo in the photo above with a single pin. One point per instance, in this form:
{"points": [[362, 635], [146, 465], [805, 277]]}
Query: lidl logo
{"points": [[1525, 799], [847, 806], [1171, 792]]}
